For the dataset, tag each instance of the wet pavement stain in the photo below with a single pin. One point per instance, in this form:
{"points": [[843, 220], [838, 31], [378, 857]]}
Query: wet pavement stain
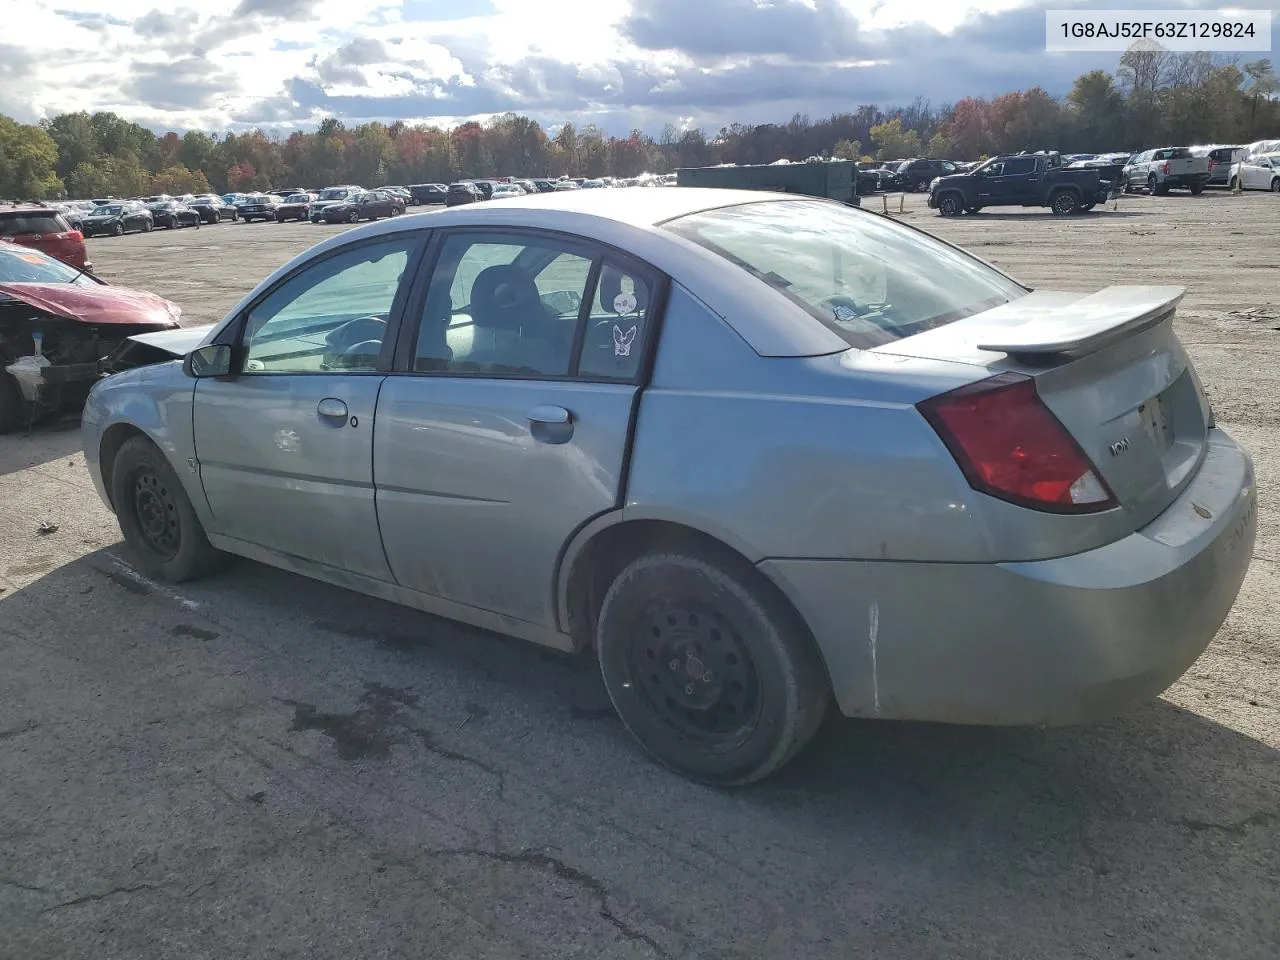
{"points": [[368, 731], [120, 580], [195, 633]]}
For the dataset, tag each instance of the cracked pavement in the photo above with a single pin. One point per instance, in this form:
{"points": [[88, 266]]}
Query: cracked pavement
{"points": [[257, 765]]}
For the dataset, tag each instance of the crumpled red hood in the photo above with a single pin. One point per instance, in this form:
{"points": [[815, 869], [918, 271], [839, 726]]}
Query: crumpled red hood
{"points": [[95, 304]]}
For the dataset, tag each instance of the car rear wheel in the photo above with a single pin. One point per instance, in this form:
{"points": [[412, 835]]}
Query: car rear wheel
{"points": [[949, 205], [1064, 203], [12, 407], [1234, 184], [156, 517], [708, 669]]}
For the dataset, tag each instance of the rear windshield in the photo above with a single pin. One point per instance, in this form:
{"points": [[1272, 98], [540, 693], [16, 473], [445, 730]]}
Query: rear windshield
{"points": [[1225, 153], [869, 279], [1175, 153], [20, 265], [12, 224]]}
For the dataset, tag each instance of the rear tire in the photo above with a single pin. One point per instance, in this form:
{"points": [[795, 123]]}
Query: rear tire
{"points": [[12, 407], [156, 517], [1064, 203], [709, 671], [1197, 189], [1234, 184], [1275, 185]]}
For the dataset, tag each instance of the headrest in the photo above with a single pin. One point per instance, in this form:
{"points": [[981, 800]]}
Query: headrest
{"points": [[504, 297], [611, 288]]}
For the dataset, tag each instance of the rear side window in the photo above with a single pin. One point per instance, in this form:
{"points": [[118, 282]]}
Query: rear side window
{"points": [[869, 279], [12, 224]]}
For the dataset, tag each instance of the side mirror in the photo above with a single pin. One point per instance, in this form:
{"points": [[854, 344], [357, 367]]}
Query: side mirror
{"points": [[213, 360]]}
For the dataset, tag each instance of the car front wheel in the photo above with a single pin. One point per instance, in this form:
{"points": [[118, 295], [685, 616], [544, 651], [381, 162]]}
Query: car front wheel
{"points": [[156, 517], [709, 670], [117, 230], [353, 217], [949, 205]]}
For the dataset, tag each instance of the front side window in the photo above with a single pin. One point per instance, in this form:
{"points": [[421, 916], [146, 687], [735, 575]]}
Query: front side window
{"points": [[503, 306], [1019, 166], [331, 316], [869, 279]]}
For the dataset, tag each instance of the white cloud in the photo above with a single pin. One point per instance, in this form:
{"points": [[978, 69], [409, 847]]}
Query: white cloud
{"points": [[646, 62]]}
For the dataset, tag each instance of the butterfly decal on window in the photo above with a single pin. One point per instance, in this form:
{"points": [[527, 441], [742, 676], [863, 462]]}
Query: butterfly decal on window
{"points": [[622, 341]]}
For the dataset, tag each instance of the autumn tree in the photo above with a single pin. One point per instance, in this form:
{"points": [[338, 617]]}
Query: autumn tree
{"points": [[177, 180], [28, 161]]}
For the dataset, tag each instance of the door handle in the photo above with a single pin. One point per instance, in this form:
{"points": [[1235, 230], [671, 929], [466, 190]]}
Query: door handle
{"points": [[332, 408], [551, 424], [550, 414]]}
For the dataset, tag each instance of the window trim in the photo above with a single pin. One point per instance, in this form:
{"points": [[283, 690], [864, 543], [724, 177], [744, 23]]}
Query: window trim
{"points": [[232, 334], [599, 253]]}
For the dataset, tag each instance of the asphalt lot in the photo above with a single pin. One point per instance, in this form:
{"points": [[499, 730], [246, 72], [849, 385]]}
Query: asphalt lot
{"points": [[262, 766]]}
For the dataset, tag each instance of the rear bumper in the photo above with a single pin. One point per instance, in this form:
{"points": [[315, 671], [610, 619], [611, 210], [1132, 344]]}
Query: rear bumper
{"points": [[1070, 640], [1186, 180]]}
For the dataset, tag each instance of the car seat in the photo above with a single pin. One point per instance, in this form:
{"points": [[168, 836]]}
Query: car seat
{"points": [[509, 320]]}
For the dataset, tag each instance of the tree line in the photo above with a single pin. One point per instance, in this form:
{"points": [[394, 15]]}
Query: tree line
{"points": [[1154, 98]]}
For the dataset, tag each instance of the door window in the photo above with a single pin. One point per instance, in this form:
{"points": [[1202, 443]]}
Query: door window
{"points": [[617, 326], [503, 306], [331, 316], [1019, 166]]}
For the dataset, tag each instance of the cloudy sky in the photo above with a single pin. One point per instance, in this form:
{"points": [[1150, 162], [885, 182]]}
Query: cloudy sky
{"points": [[619, 63]]}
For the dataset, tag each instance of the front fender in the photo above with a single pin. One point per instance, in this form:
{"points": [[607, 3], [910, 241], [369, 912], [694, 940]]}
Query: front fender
{"points": [[154, 401]]}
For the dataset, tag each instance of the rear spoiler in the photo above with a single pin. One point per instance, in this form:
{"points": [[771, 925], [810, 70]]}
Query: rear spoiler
{"points": [[1035, 327]]}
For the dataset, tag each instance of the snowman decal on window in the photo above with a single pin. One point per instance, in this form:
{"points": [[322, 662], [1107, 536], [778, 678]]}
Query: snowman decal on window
{"points": [[624, 304]]}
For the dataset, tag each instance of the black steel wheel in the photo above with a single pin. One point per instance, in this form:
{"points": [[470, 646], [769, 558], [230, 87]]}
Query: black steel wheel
{"points": [[1064, 203], [155, 515], [709, 669]]}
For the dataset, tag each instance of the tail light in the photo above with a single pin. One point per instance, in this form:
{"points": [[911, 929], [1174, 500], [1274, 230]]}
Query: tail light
{"points": [[1010, 446], [1212, 163], [71, 235], [1166, 168]]}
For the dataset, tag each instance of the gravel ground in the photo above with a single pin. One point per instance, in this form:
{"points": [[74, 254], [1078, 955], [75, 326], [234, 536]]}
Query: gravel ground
{"points": [[258, 765]]}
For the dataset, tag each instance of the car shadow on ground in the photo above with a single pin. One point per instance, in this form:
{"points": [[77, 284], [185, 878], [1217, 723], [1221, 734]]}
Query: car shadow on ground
{"points": [[1166, 823], [1047, 217], [45, 441]]}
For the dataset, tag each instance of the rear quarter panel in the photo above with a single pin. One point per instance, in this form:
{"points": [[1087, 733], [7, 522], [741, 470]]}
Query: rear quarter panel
{"points": [[796, 457]]}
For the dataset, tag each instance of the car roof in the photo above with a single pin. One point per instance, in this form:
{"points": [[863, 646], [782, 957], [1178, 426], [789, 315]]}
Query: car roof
{"points": [[629, 221]]}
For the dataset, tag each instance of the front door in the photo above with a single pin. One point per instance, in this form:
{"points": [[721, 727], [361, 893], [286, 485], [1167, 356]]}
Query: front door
{"points": [[285, 448], [506, 426], [1021, 180]]}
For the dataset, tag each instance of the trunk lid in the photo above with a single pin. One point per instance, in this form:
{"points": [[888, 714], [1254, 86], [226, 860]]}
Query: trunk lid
{"points": [[1110, 368]]}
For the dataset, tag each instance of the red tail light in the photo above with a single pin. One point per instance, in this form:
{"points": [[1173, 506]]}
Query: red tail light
{"points": [[1009, 445], [1166, 168], [1212, 163], [71, 235]]}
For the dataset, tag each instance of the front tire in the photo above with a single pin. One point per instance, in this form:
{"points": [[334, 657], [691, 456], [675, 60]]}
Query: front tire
{"points": [[118, 230], [708, 669], [353, 216], [950, 205], [1275, 185], [156, 517]]}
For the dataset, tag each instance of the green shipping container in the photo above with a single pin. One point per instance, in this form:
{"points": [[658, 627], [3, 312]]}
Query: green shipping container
{"points": [[833, 179]]}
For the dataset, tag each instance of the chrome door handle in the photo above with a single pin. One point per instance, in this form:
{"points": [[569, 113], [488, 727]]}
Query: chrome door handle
{"points": [[550, 414], [332, 408]]}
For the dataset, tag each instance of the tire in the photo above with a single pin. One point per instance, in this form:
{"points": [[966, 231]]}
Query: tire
{"points": [[13, 408], [396, 211], [1064, 203], [1234, 185], [1151, 184], [686, 646], [1197, 189], [1275, 185], [155, 516], [950, 205], [235, 217], [118, 230], [353, 216]]}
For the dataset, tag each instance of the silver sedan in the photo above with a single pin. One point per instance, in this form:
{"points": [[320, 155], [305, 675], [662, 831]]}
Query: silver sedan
{"points": [[755, 453]]}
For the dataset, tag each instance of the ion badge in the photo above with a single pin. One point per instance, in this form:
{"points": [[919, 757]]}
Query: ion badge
{"points": [[622, 341], [624, 303]]}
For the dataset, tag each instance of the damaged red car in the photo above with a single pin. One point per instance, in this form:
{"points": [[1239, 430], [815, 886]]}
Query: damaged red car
{"points": [[56, 324]]}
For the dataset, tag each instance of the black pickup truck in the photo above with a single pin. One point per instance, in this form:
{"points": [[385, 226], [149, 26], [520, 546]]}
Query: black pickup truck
{"points": [[1023, 180]]}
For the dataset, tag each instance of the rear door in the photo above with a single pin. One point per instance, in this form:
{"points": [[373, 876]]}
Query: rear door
{"points": [[506, 424], [285, 448]]}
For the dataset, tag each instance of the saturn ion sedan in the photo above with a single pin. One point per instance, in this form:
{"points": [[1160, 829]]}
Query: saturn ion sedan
{"points": [[755, 453]]}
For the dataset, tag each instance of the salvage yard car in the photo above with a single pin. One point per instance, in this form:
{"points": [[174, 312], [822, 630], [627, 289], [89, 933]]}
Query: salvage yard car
{"points": [[755, 452], [45, 229], [117, 219], [370, 205], [56, 322], [1020, 180], [1159, 171]]}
